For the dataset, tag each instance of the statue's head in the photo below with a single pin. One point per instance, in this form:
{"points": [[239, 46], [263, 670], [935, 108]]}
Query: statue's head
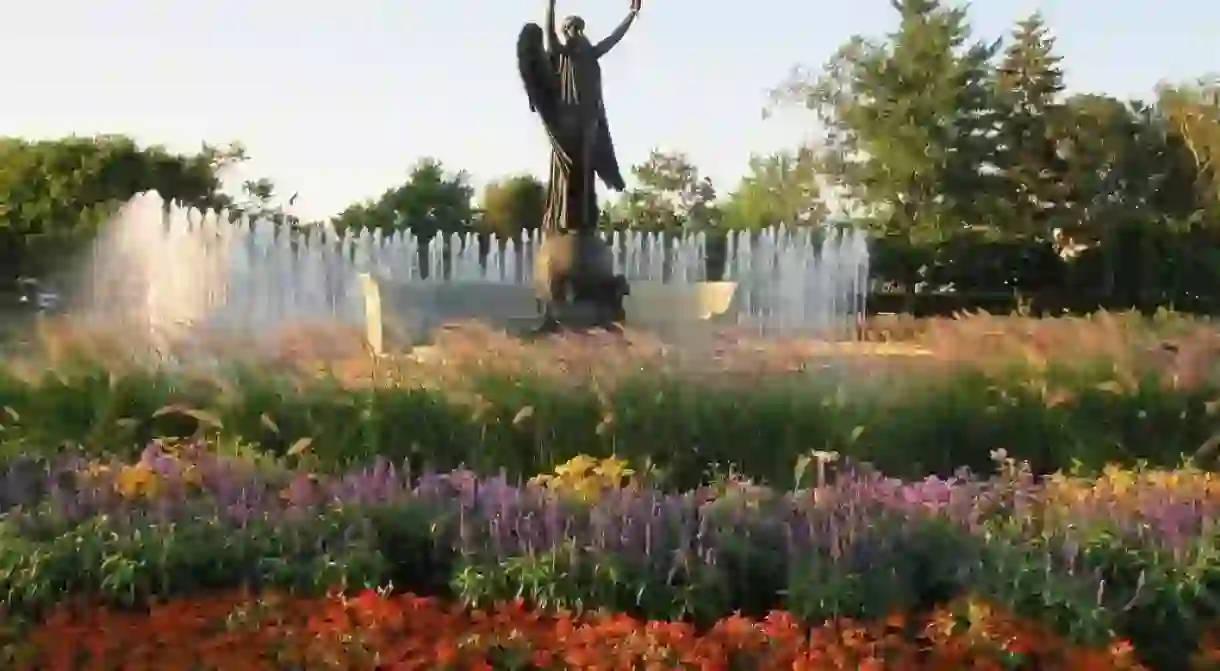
{"points": [[573, 29]]}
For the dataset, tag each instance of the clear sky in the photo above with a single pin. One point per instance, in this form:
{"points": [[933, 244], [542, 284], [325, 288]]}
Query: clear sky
{"points": [[337, 99]]}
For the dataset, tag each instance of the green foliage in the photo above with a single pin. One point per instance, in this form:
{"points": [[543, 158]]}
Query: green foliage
{"points": [[670, 195], [916, 426], [932, 136], [1192, 116], [782, 188], [1023, 577], [431, 201], [513, 205], [578, 579], [55, 193], [907, 576], [907, 122], [129, 561]]}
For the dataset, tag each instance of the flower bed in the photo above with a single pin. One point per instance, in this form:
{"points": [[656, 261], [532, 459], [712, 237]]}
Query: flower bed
{"points": [[1130, 556], [375, 631]]}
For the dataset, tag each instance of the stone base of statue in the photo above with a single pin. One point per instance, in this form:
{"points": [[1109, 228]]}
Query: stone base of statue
{"points": [[575, 283]]}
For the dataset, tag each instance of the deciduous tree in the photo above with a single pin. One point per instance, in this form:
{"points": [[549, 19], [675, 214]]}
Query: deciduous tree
{"points": [[782, 188], [55, 193], [431, 201], [670, 195], [512, 205]]}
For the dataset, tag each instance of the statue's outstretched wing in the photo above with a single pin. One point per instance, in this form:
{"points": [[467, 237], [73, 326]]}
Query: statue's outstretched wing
{"points": [[537, 73], [541, 83]]}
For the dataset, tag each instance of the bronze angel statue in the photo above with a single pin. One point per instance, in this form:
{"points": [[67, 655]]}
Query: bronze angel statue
{"points": [[564, 83]]}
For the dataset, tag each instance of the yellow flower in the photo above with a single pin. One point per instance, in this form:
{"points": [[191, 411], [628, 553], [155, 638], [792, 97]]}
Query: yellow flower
{"points": [[586, 478], [543, 480], [1118, 479], [588, 490], [614, 470], [136, 481], [576, 467]]}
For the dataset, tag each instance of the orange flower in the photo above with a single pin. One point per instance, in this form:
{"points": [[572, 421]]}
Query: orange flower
{"points": [[408, 632]]}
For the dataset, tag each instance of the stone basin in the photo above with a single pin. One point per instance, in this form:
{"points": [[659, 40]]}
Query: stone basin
{"points": [[416, 309]]}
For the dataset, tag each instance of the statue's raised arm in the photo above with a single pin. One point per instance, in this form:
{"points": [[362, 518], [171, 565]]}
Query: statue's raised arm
{"points": [[552, 37], [604, 47]]}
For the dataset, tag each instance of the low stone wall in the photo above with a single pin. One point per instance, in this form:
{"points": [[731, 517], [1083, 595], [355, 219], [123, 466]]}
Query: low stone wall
{"points": [[413, 310]]}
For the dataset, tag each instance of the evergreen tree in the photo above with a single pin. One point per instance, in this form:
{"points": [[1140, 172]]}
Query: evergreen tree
{"points": [[910, 122], [1028, 86], [910, 128]]}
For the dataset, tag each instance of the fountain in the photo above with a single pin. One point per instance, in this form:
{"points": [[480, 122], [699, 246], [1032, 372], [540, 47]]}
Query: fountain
{"points": [[175, 271]]}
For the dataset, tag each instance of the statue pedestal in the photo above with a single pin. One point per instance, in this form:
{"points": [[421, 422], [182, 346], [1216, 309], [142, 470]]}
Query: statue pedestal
{"points": [[575, 283]]}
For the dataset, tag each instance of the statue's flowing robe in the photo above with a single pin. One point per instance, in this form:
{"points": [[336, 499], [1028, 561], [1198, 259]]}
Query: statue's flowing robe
{"points": [[565, 89]]}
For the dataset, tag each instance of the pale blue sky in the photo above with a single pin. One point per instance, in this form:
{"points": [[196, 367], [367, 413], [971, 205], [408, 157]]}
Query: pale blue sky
{"points": [[337, 99]]}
